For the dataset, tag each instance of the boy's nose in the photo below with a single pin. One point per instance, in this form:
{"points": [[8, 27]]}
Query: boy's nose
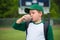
{"points": [[31, 15]]}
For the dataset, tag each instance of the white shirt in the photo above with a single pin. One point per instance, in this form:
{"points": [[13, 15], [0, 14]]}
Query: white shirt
{"points": [[35, 32]]}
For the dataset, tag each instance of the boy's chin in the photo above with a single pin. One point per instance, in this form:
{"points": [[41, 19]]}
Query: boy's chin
{"points": [[33, 20]]}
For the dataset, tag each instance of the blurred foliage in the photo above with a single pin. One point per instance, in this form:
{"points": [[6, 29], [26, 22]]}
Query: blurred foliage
{"points": [[9, 9], [55, 9]]}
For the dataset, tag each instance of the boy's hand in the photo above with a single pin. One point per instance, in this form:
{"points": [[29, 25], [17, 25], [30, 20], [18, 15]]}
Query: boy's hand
{"points": [[27, 17], [24, 18]]}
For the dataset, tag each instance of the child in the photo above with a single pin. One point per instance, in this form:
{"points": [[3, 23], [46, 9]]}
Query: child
{"points": [[35, 30]]}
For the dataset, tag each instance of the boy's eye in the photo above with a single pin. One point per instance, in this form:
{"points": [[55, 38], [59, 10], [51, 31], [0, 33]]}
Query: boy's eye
{"points": [[32, 12]]}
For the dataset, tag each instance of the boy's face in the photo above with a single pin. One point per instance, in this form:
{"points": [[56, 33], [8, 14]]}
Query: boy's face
{"points": [[36, 15]]}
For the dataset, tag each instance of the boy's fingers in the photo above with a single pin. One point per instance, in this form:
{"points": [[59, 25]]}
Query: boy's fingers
{"points": [[27, 17]]}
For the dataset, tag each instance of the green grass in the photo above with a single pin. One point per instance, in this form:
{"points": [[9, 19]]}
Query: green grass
{"points": [[12, 34], [56, 33]]}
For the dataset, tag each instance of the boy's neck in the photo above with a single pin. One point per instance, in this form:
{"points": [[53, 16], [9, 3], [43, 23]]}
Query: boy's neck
{"points": [[38, 21]]}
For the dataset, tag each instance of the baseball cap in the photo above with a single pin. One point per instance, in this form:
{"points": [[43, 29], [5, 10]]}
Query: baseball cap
{"points": [[34, 7]]}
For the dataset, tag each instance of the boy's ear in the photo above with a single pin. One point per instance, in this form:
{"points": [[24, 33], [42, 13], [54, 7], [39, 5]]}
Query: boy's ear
{"points": [[40, 13]]}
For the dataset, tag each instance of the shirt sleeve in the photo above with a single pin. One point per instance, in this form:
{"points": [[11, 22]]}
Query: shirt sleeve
{"points": [[50, 33], [20, 26]]}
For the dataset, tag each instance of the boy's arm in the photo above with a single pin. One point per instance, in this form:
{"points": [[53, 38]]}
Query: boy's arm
{"points": [[20, 26], [50, 33]]}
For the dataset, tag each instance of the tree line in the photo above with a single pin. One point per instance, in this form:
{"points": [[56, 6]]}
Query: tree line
{"points": [[9, 8]]}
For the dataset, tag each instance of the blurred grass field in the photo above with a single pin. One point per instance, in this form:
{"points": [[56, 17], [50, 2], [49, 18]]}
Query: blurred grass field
{"points": [[11, 34]]}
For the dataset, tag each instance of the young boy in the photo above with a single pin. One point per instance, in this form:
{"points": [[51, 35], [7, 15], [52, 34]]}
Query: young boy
{"points": [[35, 30]]}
